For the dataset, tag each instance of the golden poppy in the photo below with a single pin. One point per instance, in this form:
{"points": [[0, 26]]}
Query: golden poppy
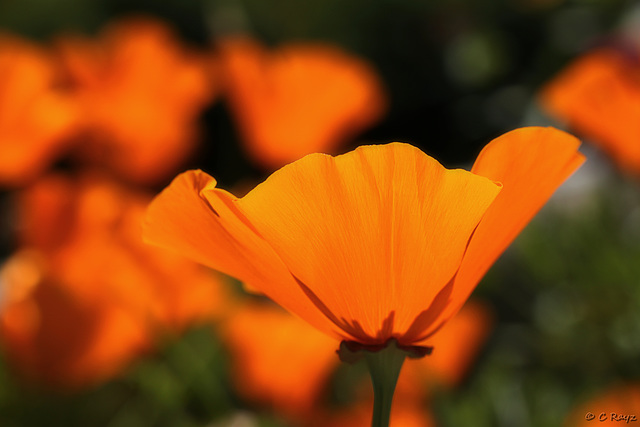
{"points": [[454, 356], [37, 116], [298, 99], [86, 295], [382, 242], [141, 91], [260, 337], [54, 336], [455, 348], [599, 96]]}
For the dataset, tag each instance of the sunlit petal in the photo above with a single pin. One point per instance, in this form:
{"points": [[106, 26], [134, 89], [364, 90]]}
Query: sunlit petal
{"points": [[197, 220], [375, 234], [531, 163]]}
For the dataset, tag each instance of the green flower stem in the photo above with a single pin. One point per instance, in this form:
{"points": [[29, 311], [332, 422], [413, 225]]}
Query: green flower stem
{"points": [[384, 367]]}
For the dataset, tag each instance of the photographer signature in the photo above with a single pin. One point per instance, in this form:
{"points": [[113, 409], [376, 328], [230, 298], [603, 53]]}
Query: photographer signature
{"points": [[612, 416]]}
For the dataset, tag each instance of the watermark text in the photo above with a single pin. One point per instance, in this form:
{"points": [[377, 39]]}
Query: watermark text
{"points": [[610, 416]]}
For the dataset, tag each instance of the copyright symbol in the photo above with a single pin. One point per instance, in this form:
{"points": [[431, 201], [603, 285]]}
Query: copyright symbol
{"points": [[589, 416]]}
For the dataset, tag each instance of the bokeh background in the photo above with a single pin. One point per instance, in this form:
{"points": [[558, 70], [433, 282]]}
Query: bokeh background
{"points": [[89, 337]]}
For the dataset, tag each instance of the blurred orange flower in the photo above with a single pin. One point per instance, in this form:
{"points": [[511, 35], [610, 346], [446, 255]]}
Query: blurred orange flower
{"points": [[297, 99], [55, 337], [261, 337], [37, 116], [382, 242], [455, 349], [617, 406], [141, 93], [85, 295], [599, 96]]}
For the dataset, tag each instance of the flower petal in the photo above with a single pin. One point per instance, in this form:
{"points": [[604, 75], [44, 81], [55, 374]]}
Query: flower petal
{"points": [[371, 236], [260, 337], [598, 95], [298, 99], [38, 117], [531, 163], [138, 126], [201, 222]]}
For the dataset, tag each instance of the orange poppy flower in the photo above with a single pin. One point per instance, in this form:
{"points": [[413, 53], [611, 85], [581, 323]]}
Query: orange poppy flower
{"points": [[599, 96], [36, 115], [454, 356], [142, 92], [260, 337], [382, 242], [53, 337], [617, 406], [87, 295], [298, 99], [455, 348]]}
